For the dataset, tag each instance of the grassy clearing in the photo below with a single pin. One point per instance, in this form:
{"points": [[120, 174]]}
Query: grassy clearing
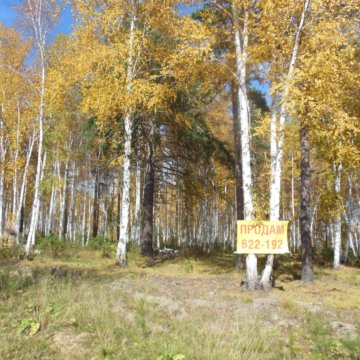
{"points": [[78, 305]]}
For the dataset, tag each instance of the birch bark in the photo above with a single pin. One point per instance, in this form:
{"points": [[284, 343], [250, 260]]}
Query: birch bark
{"points": [[241, 44], [36, 15], [121, 257], [23, 187], [83, 227], [35, 212], [276, 147], [2, 166], [337, 221], [62, 230], [53, 196], [16, 156], [349, 219]]}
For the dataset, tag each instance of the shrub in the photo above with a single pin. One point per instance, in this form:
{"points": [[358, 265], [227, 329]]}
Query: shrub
{"points": [[8, 247], [108, 247], [52, 244]]}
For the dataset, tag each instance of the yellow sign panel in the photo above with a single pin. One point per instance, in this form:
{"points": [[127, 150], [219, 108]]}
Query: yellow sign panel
{"points": [[262, 237]]}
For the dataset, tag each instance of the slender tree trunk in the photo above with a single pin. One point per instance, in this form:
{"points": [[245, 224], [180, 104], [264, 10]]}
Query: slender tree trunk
{"points": [[39, 31], [337, 221], [35, 212], [118, 208], [83, 229], [112, 209], [62, 220], [240, 259], [349, 234], [88, 223], [2, 167], [51, 210], [15, 178], [20, 209], [276, 145], [95, 225], [125, 204], [105, 218], [275, 187], [2, 197], [36, 202], [41, 221], [293, 220], [137, 218], [121, 258], [244, 114], [53, 198], [22, 214], [158, 222], [71, 210], [147, 224], [307, 274], [238, 162]]}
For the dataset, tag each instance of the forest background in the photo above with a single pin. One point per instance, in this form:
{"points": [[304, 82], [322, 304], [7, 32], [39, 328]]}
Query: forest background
{"points": [[162, 124], [134, 134]]}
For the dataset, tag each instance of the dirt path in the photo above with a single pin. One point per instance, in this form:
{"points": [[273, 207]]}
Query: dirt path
{"points": [[183, 297]]}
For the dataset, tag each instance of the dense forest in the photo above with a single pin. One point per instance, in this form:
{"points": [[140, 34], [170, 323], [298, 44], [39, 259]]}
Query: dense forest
{"points": [[149, 149], [161, 123]]}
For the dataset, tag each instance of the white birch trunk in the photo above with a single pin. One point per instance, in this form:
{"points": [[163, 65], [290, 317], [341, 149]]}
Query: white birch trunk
{"points": [[89, 222], [22, 189], [51, 210], [2, 183], [74, 209], [276, 150], [35, 212], [348, 213], [337, 221], [63, 201], [244, 115], [125, 205], [276, 144], [2, 166], [293, 220], [36, 18], [16, 156], [53, 198], [72, 205], [158, 221], [83, 227]]}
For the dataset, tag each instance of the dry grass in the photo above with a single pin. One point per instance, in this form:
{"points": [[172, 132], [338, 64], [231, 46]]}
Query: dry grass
{"points": [[90, 309]]}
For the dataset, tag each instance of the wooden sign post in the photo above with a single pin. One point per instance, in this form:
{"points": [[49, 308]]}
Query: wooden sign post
{"points": [[262, 237]]}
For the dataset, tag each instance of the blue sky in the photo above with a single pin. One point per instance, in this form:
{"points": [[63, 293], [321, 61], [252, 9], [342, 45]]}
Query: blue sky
{"points": [[8, 17], [7, 14]]}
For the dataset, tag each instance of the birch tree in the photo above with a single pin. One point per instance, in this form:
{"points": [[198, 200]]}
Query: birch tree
{"points": [[125, 209], [40, 16], [241, 40], [279, 114]]}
